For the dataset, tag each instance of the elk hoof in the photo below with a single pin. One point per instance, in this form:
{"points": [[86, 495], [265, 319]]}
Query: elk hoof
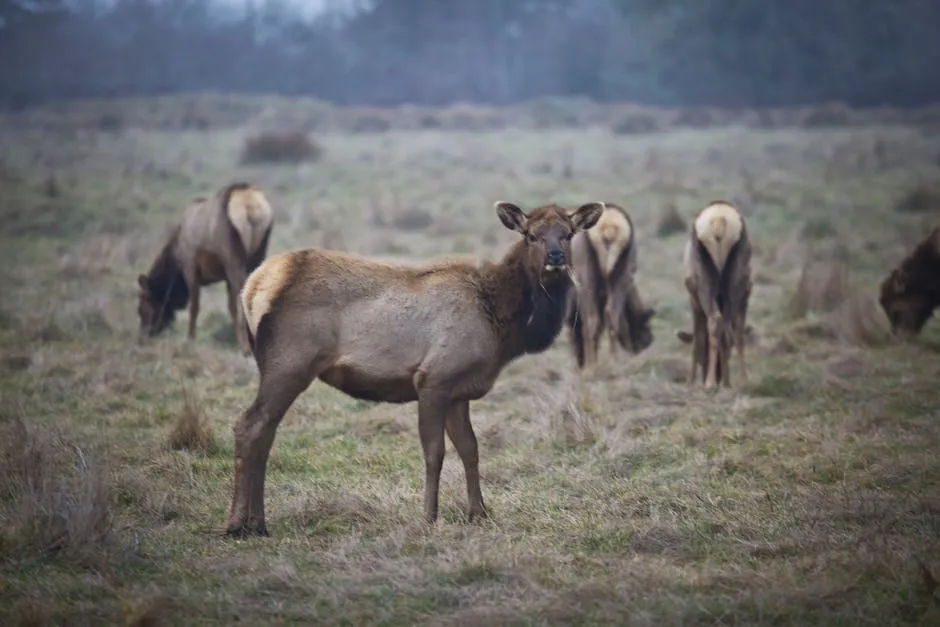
{"points": [[477, 516], [243, 532]]}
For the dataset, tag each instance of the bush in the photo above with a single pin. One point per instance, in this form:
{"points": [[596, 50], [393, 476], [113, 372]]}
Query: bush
{"points": [[280, 147]]}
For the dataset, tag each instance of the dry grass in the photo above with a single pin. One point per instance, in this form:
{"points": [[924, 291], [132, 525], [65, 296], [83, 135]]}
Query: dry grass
{"points": [[807, 497], [54, 497]]}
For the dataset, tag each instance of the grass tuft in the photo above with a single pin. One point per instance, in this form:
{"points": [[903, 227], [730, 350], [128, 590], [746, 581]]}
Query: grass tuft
{"points": [[192, 431]]}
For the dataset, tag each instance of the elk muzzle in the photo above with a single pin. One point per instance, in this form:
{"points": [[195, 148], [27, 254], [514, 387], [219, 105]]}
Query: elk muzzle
{"points": [[555, 260]]}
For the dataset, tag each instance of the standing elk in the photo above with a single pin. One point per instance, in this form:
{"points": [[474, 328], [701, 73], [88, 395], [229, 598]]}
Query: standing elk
{"points": [[438, 334], [220, 238], [606, 297], [717, 265], [911, 292]]}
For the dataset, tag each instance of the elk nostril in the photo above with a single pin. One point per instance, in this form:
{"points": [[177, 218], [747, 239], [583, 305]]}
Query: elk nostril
{"points": [[556, 257]]}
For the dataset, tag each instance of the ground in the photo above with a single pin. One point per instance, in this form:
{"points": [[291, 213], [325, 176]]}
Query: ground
{"points": [[811, 495]]}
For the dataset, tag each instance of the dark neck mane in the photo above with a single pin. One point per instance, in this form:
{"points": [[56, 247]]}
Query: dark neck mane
{"points": [[168, 291], [527, 315]]}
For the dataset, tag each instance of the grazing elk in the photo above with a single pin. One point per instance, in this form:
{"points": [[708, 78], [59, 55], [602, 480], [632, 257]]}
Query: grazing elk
{"points": [[606, 297], [718, 278], [912, 291], [220, 238], [438, 334]]}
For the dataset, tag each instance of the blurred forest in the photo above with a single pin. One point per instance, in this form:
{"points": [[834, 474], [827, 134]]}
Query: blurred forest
{"points": [[724, 53]]}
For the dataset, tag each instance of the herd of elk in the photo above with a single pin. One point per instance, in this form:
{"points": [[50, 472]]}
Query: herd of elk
{"points": [[441, 333]]}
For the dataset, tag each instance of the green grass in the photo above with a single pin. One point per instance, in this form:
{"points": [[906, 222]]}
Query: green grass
{"points": [[807, 497]]}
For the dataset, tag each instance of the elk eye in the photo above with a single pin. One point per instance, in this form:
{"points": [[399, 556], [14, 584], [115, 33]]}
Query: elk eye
{"points": [[569, 236], [531, 237]]}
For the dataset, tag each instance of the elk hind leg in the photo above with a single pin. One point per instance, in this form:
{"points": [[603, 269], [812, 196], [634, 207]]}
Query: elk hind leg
{"points": [[460, 432], [699, 344], [714, 324]]}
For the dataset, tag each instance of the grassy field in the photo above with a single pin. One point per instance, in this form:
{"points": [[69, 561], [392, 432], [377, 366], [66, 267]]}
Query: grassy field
{"points": [[811, 496]]}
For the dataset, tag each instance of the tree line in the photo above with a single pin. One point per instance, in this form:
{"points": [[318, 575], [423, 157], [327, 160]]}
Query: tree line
{"points": [[434, 52]]}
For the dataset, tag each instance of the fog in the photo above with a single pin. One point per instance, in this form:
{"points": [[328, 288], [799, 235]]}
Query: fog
{"points": [[390, 52]]}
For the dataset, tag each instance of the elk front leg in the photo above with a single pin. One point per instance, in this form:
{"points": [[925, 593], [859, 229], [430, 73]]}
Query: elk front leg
{"points": [[254, 436], [461, 434], [432, 413], [192, 282]]}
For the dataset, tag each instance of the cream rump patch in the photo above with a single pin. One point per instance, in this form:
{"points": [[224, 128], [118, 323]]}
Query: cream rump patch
{"points": [[719, 227], [251, 215], [609, 237], [261, 288]]}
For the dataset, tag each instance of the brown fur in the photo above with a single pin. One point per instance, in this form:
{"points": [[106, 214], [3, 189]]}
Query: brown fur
{"points": [[606, 298], [207, 246], [438, 334], [911, 292], [718, 279]]}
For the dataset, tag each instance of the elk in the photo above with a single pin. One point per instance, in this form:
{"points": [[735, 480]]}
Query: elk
{"points": [[911, 292], [606, 297], [438, 334], [717, 266], [224, 237]]}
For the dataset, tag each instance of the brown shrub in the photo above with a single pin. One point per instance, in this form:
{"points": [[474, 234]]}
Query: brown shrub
{"points": [[670, 221], [921, 199], [280, 147], [818, 228], [413, 220], [111, 123], [823, 287], [192, 431], [695, 117], [636, 123], [369, 122], [54, 499], [828, 115]]}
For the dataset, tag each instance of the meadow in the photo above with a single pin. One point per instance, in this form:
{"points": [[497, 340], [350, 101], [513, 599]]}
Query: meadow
{"points": [[809, 496]]}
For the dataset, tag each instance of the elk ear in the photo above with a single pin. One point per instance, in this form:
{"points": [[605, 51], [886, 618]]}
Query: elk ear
{"points": [[587, 215], [142, 281], [512, 217]]}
